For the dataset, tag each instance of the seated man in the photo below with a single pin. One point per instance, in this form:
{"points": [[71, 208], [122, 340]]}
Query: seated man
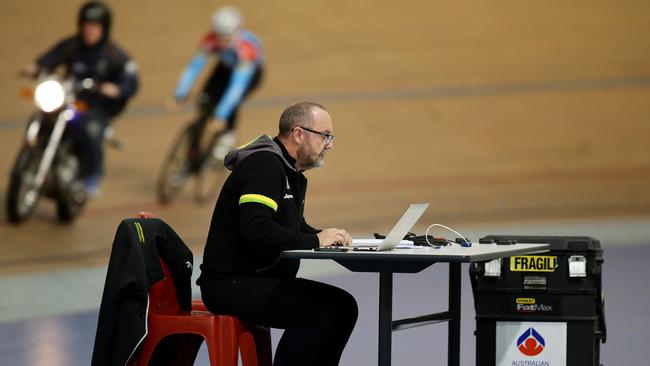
{"points": [[259, 214]]}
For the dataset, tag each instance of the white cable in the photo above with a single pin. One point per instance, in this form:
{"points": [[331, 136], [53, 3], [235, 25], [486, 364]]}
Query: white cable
{"points": [[426, 234]]}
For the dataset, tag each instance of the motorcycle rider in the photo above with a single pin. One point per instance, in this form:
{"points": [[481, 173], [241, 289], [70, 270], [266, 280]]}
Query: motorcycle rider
{"points": [[238, 72], [91, 55]]}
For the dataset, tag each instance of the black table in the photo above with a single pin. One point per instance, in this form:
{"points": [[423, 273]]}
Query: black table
{"points": [[413, 261]]}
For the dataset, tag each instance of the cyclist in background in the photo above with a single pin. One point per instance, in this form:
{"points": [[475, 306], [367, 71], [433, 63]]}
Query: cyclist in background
{"points": [[238, 72]]}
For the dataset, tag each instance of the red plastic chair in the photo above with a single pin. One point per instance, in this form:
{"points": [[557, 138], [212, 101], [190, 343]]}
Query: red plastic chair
{"points": [[225, 335]]}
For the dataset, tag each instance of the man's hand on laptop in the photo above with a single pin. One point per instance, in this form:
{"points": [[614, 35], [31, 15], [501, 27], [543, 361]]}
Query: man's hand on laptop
{"points": [[333, 237]]}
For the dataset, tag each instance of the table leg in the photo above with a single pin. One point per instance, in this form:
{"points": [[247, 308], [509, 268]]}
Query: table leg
{"points": [[385, 317], [453, 340]]}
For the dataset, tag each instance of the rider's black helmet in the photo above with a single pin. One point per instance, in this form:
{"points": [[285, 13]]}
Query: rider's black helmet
{"points": [[96, 11]]}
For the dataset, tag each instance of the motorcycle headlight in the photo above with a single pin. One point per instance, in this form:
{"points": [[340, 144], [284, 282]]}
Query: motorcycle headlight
{"points": [[49, 95]]}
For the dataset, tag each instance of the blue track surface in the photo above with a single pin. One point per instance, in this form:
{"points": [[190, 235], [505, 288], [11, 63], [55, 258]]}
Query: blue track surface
{"points": [[68, 339]]}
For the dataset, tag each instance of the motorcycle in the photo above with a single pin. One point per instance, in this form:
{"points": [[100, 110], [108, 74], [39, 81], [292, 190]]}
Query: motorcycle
{"points": [[48, 163]]}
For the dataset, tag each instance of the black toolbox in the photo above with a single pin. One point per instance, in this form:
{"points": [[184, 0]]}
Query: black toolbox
{"points": [[545, 309]]}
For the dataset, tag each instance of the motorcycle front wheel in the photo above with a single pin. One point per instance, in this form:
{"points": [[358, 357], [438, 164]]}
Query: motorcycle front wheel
{"points": [[21, 196]]}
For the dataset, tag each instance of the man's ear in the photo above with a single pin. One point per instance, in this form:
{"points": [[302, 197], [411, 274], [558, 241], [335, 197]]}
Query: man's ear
{"points": [[298, 135]]}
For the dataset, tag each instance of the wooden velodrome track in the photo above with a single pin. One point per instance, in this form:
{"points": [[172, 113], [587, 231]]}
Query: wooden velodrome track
{"points": [[490, 111]]}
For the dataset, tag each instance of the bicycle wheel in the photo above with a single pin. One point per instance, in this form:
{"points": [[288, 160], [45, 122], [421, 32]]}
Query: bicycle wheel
{"points": [[176, 168], [211, 172]]}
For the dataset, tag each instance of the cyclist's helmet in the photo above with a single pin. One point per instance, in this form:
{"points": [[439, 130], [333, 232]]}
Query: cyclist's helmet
{"points": [[226, 21], [96, 11]]}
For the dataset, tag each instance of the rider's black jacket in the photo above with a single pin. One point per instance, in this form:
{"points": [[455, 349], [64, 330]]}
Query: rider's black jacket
{"points": [[258, 214], [102, 62]]}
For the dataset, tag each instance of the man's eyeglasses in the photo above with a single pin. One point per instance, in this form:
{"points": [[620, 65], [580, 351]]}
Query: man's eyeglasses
{"points": [[326, 136]]}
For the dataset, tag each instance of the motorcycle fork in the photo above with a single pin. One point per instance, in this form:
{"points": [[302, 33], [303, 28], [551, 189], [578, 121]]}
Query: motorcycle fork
{"points": [[48, 156]]}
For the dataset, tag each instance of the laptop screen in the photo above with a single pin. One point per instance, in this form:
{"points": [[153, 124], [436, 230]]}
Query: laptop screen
{"points": [[405, 223]]}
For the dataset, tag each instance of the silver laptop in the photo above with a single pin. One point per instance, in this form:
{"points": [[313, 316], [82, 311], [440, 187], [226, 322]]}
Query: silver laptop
{"points": [[405, 223], [394, 237], [401, 228]]}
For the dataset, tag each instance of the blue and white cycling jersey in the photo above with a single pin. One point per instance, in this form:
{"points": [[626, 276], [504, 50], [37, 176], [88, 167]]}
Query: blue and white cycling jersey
{"points": [[244, 56]]}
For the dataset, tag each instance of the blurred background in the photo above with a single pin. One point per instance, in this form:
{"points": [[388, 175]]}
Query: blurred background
{"points": [[506, 116]]}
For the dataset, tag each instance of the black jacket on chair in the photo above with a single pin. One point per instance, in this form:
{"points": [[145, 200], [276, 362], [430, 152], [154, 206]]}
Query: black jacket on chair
{"points": [[133, 267]]}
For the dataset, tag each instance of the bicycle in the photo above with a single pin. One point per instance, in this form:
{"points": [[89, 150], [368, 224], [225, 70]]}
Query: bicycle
{"points": [[189, 158]]}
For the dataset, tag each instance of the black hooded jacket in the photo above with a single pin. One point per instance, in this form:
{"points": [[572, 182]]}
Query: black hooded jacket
{"points": [[258, 214], [133, 268], [103, 62]]}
